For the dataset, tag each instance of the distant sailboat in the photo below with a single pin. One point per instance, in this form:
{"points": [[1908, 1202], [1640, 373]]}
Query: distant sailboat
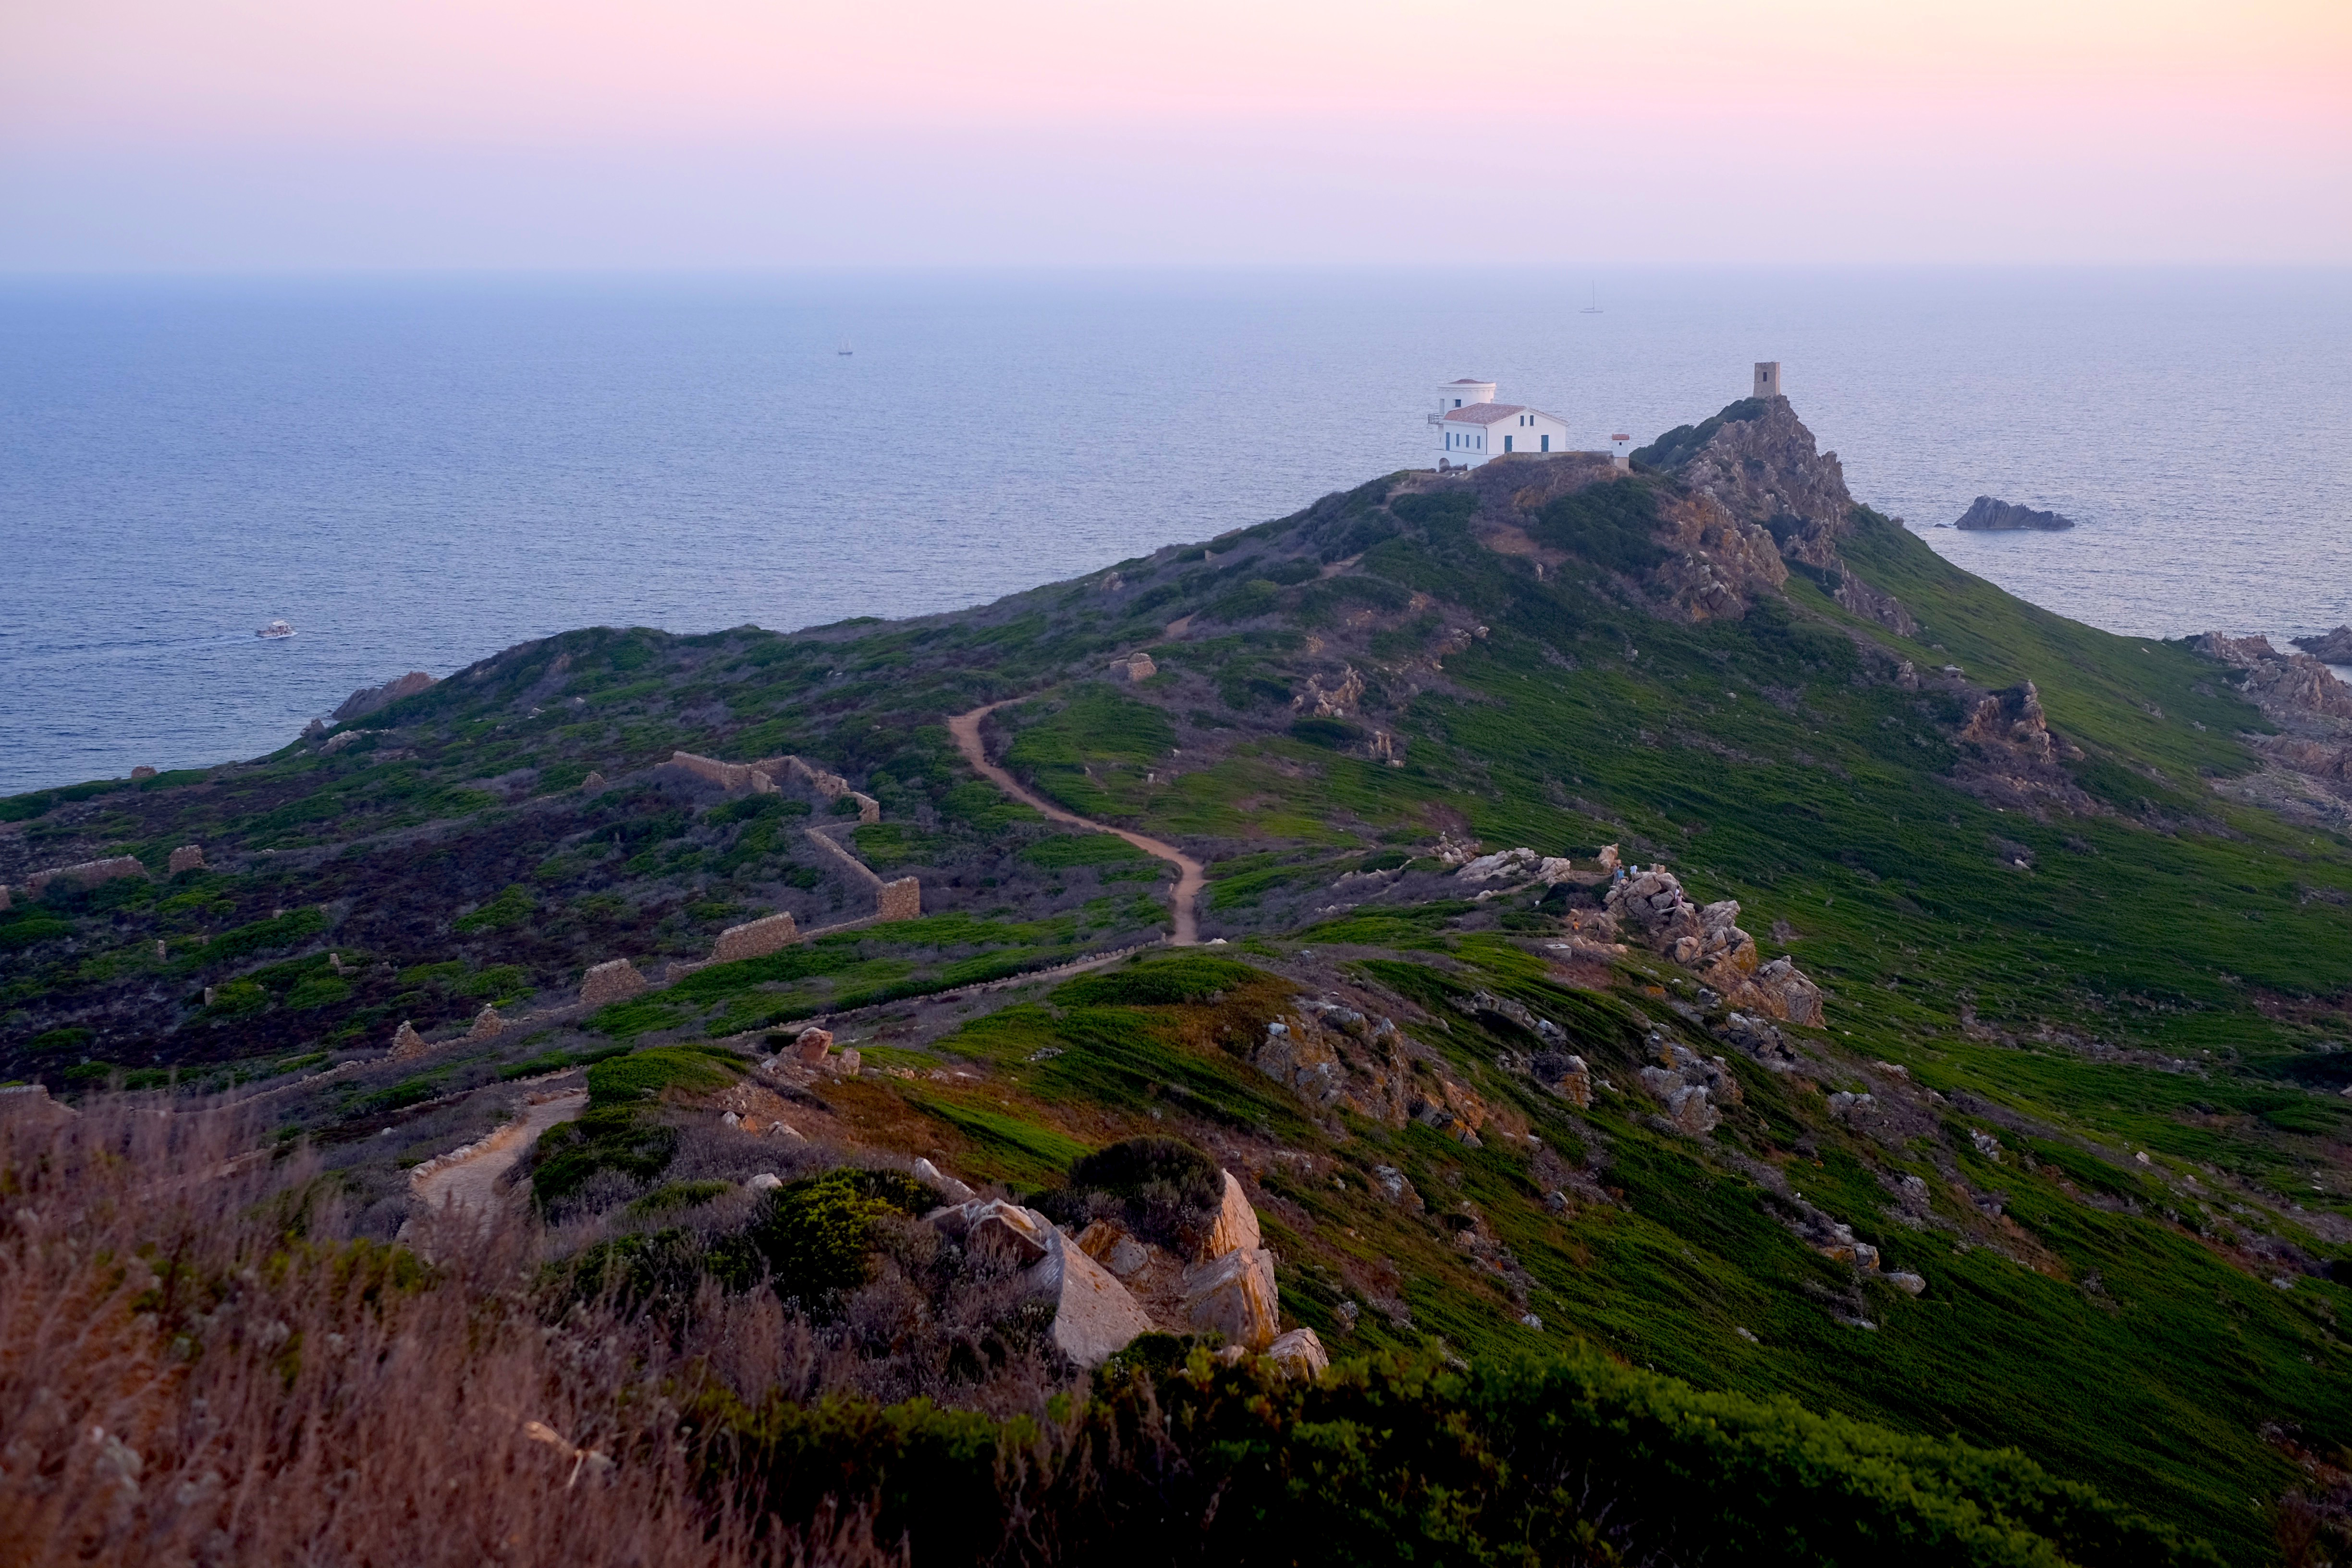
{"points": [[1594, 308], [844, 348]]}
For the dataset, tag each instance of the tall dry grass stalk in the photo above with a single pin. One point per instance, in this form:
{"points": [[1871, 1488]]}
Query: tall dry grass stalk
{"points": [[199, 1364]]}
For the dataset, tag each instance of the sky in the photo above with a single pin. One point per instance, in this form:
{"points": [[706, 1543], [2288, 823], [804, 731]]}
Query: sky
{"points": [[305, 135]]}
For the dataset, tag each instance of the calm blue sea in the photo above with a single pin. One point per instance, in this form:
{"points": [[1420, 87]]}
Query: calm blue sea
{"points": [[419, 473]]}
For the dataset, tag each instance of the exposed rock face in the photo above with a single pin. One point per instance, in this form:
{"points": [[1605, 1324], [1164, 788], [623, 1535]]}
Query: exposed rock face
{"points": [[615, 980], [1875, 604], [1762, 466], [1651, 905], [1234, 1295], [406, 1042], [1986, 512], [2333, 647], [186, 857], [1719, 562], [87, 873], [1326, 697], [368, 699], [1094, 1316], [1300, 1354], [336, 742], [755, 939], [138, 774]]}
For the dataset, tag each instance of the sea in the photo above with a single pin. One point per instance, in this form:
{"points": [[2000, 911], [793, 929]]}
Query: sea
{"points": [[417, 472]]}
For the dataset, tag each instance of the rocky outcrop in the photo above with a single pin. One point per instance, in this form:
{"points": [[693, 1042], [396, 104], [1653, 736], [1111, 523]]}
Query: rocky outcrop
{"points": [[2281, 684], [368, 699], [1758, 461], [1691, 1086], [1235, 1228], [615, 981], [1651, 907], [1872, 603], [955, 1191], [1718, 563], [2330, 647], [811, 1046], [1331, 1056], [1329, 697], [1989, 514], [2013, 721], [1516, 867], [1110, 1246]]}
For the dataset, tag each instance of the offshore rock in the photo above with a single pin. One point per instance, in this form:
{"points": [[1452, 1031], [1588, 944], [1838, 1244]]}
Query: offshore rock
{"points": [[2331, 647], [1987, 513]]}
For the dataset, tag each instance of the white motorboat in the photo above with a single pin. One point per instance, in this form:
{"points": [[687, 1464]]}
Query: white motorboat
{"points": [[277, 629]]}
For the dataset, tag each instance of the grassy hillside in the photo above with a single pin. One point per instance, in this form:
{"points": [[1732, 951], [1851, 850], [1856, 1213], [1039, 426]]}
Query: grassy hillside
{"points": [[2100, 1012]]}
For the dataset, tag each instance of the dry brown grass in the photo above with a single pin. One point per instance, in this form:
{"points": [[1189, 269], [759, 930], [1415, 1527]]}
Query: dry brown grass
{"points": [[198, 1365]]}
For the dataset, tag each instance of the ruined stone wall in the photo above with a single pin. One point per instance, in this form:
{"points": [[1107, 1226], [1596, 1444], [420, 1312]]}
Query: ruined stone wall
{"points": [[89, 873], [613, 982], [899, 900], [725, 775], [186, 857], [755, 939]]}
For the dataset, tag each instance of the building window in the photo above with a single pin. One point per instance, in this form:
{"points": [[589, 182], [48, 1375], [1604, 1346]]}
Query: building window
{"points": [[1547, 443]]}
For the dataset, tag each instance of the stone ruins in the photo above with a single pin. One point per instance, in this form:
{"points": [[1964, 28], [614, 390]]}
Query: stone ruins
{"points": [[186, 857], [406, 1042], [755, 939], [615, 981], [89, 873]]}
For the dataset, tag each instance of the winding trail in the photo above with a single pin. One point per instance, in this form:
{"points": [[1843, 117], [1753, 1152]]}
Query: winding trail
{"points": [[1190, 877], [470, 1181]]}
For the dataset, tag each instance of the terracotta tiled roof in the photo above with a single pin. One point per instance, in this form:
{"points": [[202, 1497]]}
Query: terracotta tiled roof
{"points": [[1492, 412]]}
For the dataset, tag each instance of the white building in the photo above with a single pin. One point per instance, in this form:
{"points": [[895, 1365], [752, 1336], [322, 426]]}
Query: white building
{"points": [[1473, 429]]}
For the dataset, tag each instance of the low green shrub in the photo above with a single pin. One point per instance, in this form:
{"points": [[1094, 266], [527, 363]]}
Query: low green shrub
{"points": [[510, 907], [1156, 982], [811, 1238], [645, 1074]]}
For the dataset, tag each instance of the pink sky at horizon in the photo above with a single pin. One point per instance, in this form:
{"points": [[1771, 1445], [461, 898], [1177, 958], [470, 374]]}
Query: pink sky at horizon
{"points": [[266, 134]]}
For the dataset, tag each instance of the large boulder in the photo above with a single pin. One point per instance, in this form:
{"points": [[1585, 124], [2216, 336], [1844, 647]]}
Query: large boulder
{"points": [[1300, 1354], [1236, 1226], [1234, 1295], [1094, 1316], [1784, 991], [1110, 1246]]}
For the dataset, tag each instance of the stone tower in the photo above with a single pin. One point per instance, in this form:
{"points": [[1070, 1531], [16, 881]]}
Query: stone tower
{"points": [[1768, 378]]}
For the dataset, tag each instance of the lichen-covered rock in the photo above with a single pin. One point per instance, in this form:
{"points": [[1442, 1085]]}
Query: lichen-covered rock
{"points": [[1234, 1295], [1300, 1353]]}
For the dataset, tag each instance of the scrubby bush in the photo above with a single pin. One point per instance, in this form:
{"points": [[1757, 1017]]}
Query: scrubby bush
{"points": [[1158, 983], [810, 1239], [1162, 1189]]}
